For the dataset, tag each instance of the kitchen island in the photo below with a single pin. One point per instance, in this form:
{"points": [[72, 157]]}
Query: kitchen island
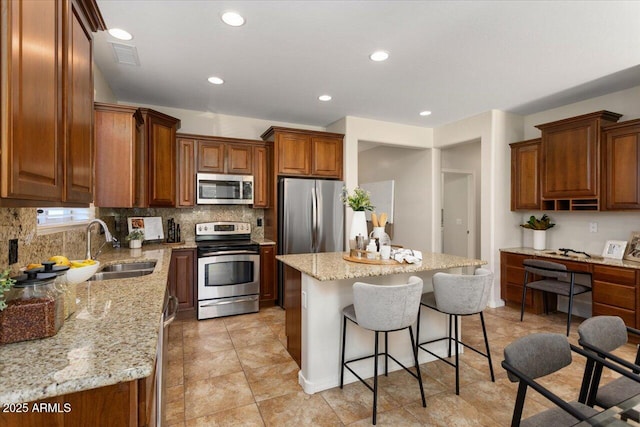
{"points": [[107, 348], [317, 287]]}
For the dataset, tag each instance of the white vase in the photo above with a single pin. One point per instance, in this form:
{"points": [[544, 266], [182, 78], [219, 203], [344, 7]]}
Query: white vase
{"points": [[539, 239], [135, 244], [358, 227]]}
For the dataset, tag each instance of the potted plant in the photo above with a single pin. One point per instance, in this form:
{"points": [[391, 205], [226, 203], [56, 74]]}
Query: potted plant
{"points": [[360, 202], [135, 238], [539, 227], [5, 284]]}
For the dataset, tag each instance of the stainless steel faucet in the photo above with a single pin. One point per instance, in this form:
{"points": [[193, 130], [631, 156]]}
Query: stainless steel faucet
{"points": [[107, 235]]}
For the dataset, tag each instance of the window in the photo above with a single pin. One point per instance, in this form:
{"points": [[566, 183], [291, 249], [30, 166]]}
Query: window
{"points": [[53, 220]]}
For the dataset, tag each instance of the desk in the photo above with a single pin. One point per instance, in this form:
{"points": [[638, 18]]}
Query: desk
{"points": [[611, 417]]}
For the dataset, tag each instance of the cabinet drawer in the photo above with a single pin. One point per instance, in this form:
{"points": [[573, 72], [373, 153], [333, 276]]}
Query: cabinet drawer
{"points": [[619, 276], [614, 294], [515, 275], [629, 316], [514, 259], [514, 294]]}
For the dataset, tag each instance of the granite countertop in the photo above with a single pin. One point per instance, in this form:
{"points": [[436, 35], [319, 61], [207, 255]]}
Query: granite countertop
{"points": [[331, 266], [595, 258], [263, 242], [111, 338]]}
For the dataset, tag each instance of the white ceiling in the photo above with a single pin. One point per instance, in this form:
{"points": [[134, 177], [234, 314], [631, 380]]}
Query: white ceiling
{"points": [[455, 58]]}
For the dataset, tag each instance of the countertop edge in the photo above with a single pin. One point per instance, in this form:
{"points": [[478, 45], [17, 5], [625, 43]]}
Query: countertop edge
{"points": [[597, 260], [138, 361]]}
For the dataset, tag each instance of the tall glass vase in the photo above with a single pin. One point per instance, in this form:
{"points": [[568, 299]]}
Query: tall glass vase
{"points": [[358, 227]]}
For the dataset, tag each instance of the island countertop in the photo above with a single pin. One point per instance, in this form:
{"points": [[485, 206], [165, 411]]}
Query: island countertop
{"points": [[327, 266], [112, 337]]}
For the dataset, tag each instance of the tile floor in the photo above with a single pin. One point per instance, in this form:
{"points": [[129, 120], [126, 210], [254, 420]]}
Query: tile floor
{"points": [[236, 371]]}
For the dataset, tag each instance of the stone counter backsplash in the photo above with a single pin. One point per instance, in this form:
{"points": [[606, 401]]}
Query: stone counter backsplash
{"points": [[20, 223], [116, 218]]}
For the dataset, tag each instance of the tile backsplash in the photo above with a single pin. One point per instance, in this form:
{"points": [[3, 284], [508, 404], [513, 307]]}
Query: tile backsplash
{"points": [[20, 223], [116, 218]]}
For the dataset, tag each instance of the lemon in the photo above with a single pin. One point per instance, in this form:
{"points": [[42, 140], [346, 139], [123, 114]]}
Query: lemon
{"points": [[30, 266], [60, 260], [76, 264]]}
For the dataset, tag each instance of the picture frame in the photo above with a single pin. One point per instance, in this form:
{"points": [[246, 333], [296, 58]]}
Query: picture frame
{"points": [[614, 249], [632, 252]]}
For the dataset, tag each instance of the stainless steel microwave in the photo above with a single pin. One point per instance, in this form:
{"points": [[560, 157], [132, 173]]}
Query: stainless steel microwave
{"points": [[219, 189]]}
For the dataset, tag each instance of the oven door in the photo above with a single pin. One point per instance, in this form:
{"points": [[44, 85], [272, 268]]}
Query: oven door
{"points": [[233, 275]]}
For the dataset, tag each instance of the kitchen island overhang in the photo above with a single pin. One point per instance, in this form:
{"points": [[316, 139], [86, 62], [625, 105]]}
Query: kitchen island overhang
{"points": [[326, 286]]}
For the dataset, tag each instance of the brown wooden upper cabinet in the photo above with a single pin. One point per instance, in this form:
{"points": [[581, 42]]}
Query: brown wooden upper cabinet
{"points": [[215, 154], [525, 175], [135, 157], [261, 176], [583, 163], [621, 165], [186, 172], [218, 154], [570, 159], [47, 97], [300, 152]]}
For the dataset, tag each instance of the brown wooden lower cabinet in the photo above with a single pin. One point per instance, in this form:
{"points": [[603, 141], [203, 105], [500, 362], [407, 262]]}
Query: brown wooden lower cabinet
{"points": [[182, 279], [125, 404], [615, 290], [268, 293], [293, 312]]}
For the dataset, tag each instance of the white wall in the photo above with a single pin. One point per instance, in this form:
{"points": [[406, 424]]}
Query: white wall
{"points": [[466, 157], [412, 212], [101, 90], [389, 134], [207, 123], [495, 129]]}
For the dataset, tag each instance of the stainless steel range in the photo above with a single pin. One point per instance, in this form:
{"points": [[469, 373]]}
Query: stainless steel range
{"points": [[228, 269]]}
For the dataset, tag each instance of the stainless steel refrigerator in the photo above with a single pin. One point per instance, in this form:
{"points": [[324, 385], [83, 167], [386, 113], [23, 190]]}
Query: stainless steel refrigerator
{"points": [[310, 219]]}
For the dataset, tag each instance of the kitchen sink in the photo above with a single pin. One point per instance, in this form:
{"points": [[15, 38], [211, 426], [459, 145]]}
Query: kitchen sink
{"points": [[109, 275], [130, 266], [124, 270]]}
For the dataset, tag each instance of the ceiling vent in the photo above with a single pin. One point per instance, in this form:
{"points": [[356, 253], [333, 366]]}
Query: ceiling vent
{"points": [[125, 54]]}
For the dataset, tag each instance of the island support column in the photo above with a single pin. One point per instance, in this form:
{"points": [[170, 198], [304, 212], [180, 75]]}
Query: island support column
{"points": [[321, 311]]}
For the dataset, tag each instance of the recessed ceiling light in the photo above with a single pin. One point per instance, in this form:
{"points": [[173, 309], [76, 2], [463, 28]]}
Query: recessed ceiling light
{"points": [[215, 80], [324, 97], [233, 18], [120, 34], [379, 55], [425, 113]]}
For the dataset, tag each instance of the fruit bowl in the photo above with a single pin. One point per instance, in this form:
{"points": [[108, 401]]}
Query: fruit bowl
{"points": [[79, 273]]}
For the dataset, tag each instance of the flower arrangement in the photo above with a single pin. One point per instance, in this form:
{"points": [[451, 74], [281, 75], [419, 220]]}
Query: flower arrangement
{"points": [[136, 234], [360, 200], [5, 284], [544, 223]]}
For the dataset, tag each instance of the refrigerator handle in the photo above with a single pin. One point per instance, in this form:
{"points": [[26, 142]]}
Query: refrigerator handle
{"points": [[314, 220]]}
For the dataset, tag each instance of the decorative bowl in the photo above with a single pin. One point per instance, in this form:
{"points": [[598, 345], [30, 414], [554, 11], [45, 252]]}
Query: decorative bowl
{"points": [[81, 274]]}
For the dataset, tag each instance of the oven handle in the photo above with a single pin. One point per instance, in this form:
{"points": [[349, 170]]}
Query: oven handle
{"points": [[212, 304], [202, 255]]}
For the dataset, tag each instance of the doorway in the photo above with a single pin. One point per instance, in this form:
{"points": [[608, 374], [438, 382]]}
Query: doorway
{"points": [[458, 217]]}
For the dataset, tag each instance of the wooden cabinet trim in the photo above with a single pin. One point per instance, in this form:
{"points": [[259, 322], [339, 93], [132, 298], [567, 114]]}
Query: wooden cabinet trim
{"points": [[269, 134]]}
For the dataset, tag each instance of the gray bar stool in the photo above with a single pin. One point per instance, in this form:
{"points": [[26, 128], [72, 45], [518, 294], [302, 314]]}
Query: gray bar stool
{"points": [[383, 308], [458, 295]]}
